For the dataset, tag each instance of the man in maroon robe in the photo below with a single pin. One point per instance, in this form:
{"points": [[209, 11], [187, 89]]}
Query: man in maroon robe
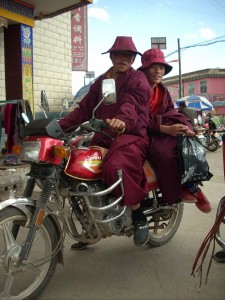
{"points": [[129, 116]]}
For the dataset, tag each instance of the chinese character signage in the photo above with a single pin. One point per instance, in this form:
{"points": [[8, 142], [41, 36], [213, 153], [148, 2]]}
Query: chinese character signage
{"points": [[79, 40]]}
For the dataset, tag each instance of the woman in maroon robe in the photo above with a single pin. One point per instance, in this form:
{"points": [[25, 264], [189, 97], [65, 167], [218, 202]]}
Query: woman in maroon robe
{"points": [[129, 115], [165, 126]]}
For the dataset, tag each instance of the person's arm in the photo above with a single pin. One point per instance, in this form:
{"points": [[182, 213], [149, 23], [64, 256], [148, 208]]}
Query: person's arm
{"points": [[176, 130]]}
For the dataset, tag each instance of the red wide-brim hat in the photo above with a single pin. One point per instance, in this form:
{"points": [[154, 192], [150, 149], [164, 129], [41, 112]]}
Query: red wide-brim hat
{"points": [[153, 56], [123, 43]]}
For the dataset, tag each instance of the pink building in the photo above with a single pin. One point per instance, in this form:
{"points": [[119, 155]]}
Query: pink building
{"points": [[209, 83]]}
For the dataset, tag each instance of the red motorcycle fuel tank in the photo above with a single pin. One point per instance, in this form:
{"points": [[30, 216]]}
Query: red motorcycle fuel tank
{"points": [[85, 163]]}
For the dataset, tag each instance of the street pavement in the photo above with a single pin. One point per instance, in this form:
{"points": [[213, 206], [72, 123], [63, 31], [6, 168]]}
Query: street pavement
{"points": [[115, 269]]}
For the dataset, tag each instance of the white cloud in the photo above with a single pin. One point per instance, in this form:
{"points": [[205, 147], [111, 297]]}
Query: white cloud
{"points": [[203, 32], [99, 13], [207, 33]]}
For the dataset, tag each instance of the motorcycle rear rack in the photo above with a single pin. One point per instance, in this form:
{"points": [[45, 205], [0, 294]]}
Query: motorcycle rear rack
{"points": [[92, 209]]}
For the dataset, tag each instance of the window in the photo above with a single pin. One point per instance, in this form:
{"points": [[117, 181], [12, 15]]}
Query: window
{"points": [[203, 86], [191, 88]]}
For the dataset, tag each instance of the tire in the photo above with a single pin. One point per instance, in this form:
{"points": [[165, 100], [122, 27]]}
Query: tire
{"points": [[220, 207], [211, 144], [220, 234], [170, 222], [28, 280]]}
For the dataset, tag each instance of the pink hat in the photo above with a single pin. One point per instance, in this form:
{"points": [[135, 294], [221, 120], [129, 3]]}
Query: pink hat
{"points": [[123, 43], [153, 56]]}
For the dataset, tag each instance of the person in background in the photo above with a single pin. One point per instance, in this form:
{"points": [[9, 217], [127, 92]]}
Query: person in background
{"points": [[166, 124], [127, 121], [182, 108]]}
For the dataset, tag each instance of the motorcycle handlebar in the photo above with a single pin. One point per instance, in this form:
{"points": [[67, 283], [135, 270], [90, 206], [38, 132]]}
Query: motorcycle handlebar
{"points": [[94, 125]]}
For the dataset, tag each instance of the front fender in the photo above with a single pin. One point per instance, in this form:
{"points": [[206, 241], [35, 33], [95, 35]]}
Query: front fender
{"points": [[23, 204]]}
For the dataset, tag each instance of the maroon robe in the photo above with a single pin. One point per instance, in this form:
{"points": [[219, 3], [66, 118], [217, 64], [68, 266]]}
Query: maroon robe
{"points": [[162, 152], [127, 151]]}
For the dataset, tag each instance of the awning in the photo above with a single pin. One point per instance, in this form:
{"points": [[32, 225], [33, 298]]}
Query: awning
{"points": [[28, 11]]}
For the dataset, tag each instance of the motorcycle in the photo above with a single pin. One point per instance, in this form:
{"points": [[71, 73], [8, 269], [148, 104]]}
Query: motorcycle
{"points": [[216, 132], [208, 137], [73, 201]]}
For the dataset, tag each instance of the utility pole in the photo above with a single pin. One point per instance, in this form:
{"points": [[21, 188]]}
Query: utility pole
{"points": [[180, 78]]}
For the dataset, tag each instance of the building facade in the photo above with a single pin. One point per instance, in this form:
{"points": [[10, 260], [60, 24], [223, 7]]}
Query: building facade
{"points": [[209, 83], [51, 61]]}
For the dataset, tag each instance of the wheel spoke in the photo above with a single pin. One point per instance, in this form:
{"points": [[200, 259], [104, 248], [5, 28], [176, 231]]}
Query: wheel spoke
{"points": [[8, 236], [35, 269], [7, 285]]}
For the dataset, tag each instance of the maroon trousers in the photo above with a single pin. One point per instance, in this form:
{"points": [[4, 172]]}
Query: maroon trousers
{"points": [[162, 154], [129, 158]]}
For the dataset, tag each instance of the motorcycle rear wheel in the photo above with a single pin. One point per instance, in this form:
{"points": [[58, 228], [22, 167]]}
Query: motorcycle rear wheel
{"points": [[211, 144], [164, 224], [25, 280]]}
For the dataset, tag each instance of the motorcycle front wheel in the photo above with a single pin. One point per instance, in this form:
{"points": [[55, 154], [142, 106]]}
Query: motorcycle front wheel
{"points": [[164, 224], [25, 280]]}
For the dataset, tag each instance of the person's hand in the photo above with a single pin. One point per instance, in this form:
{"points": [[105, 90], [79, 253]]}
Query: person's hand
{"points": [[179, 129], [116, 125]]}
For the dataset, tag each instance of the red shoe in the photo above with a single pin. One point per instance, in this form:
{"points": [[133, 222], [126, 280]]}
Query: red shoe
{"points": [[187, 197], [203, 203]]}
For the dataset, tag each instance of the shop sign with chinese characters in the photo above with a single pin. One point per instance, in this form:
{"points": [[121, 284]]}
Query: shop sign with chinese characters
{"points": [[79, 39]]}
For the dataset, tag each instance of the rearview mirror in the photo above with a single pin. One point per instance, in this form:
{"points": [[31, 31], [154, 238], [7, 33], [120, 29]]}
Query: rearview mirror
{"points": [[44, 101], [109, 91], [65, 103]]}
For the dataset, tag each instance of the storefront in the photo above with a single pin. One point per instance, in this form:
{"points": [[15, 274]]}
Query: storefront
{"points": [[17, 22]]}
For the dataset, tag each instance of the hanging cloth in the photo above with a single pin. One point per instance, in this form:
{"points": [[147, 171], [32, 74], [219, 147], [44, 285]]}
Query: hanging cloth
{"points": [[9, 124]]}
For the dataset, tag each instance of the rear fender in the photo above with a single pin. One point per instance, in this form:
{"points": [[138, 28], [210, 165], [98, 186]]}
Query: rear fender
{"points": [[24, 205]]}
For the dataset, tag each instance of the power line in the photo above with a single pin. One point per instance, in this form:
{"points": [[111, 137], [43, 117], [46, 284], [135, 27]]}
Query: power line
{"points": [[205, 43]]}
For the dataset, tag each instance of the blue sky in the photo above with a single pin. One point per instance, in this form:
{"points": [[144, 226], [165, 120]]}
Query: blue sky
{"points": [[191, 21]]}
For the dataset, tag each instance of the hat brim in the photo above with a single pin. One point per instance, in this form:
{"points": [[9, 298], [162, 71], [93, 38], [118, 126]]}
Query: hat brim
{"points": [[168, 68], [135, 52]]}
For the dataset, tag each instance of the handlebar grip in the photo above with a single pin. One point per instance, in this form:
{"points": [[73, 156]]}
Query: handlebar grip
{"points": [[104, 124]]}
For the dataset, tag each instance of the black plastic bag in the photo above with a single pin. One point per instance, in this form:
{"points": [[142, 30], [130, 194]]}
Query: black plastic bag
{"points": [[192, 160]]}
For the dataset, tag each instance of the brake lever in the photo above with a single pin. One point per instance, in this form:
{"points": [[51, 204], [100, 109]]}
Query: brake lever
{"points": [[96, 125]]}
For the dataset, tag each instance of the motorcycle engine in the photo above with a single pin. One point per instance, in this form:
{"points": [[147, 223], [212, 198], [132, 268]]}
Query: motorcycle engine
{"points": [[113, 226]]}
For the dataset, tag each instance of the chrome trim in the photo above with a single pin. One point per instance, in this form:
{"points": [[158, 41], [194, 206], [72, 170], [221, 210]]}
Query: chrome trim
{"points": [[91, 208]]}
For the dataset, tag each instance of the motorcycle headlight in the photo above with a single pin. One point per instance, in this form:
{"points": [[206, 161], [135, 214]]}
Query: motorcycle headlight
{"points": [[30, 151]]}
